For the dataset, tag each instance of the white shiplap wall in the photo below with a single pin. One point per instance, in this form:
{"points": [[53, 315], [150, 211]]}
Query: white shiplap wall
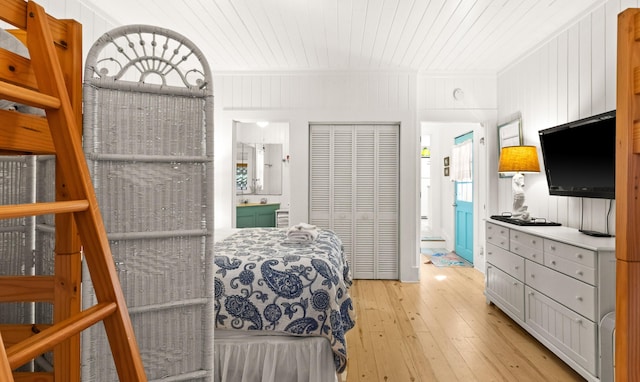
{"points": [[350, 90], [571, 76]]}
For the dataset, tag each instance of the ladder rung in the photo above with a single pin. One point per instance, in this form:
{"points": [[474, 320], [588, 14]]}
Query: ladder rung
{"points": [[33, 209], [30, 348], [28, 97]]}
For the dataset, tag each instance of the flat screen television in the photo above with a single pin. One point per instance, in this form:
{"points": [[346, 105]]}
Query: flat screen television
{"points": [[580, 157]]}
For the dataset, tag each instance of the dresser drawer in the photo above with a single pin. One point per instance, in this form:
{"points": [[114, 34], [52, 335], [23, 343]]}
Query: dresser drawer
{"points": [[564, 328], [506, 261], [575, 270], [574, 294], [498, 235], [570, 252], [527, 240], [526, 245], [505, 291]]}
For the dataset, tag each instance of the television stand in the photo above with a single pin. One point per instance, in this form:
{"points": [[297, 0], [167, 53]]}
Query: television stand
{"points": [[594, 233]]}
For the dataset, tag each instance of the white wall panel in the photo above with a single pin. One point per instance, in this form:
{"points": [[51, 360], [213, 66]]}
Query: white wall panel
{"points": [[598, 62], [435, 92], [552, 80], [611, 48], [585, 67], [569, 77], [563, 75], [381, 91], [624, 4], [573, 73]]}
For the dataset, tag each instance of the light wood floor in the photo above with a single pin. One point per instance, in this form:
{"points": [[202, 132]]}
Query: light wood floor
{"points": [[441, 329]]}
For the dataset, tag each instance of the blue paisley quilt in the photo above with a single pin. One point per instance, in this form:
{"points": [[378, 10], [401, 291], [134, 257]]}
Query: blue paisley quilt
{"points": [[265, 283]]}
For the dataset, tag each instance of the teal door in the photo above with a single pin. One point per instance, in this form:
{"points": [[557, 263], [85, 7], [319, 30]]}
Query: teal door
{"points": [[463, 201]]}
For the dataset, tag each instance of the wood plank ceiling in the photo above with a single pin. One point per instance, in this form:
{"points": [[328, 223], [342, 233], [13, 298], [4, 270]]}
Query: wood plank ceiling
{"points": [[433, 36]]}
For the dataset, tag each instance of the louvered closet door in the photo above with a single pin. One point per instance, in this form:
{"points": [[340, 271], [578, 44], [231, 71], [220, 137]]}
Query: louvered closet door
{"points": [[354, 191], [386, 201], [331, 191]]}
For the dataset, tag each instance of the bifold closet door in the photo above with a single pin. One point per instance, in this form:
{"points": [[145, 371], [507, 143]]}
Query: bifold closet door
{"points": [[354, 191]]}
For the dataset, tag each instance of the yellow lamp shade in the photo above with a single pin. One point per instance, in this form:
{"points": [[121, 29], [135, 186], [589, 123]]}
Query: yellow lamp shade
{"points": [[519, 159]]}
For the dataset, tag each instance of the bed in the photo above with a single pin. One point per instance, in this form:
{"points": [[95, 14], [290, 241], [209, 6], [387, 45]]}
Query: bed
{"points": [[282, 308]]}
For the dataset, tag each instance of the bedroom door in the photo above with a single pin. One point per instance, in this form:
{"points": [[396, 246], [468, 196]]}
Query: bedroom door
{"points": [[354, 191]]}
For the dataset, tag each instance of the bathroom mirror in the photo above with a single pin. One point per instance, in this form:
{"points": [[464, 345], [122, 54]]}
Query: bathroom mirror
{"points": [[259, 168]]}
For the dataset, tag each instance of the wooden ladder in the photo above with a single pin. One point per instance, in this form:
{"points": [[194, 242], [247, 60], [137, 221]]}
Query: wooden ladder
{"points": [[51, 80]]}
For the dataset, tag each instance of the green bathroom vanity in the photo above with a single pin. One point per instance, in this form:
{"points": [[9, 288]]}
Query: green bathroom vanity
{"points": [[256, 215]]}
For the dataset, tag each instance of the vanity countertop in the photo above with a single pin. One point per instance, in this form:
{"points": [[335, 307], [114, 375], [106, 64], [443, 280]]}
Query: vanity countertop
{"points": [[255, 204]]}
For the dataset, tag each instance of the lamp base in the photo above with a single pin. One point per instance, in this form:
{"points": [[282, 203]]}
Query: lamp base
{"points": [[519, 209]]}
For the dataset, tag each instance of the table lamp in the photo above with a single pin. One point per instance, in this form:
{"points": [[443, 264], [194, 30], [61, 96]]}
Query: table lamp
{"points": [[519, 160]]}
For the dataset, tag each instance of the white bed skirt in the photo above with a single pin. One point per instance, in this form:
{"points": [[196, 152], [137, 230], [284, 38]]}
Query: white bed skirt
{"points": [[241, 357]]}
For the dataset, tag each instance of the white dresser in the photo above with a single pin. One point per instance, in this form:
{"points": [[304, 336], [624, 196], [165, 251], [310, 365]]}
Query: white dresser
{"points": [[556, 283]]}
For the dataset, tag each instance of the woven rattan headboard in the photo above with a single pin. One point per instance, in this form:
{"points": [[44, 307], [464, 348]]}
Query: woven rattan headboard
{"points": [[148, 138]]}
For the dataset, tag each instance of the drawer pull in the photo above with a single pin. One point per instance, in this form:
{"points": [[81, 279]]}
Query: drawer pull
{"points": [[578, 298], [532, 275], [579, 273], [533, 255], [530, 293], [516, 267], [579, 321], [490, 237], [579, 255], [533, 242], [553, 247], [553, 262], [515, 284]]}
